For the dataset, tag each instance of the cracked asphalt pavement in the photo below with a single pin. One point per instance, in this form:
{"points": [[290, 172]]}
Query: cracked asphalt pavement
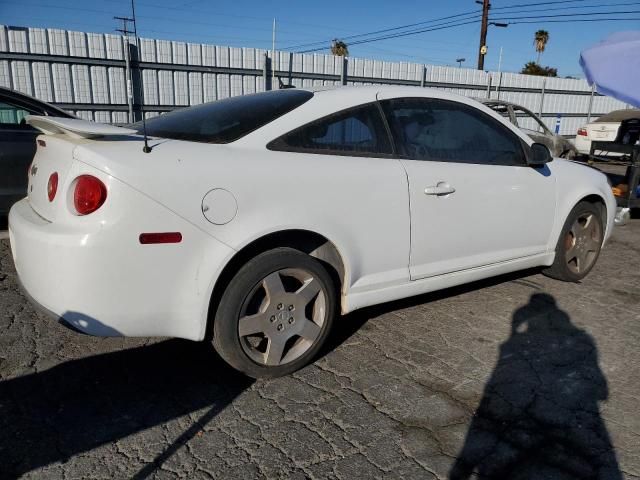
{"points": [[519, 377]]}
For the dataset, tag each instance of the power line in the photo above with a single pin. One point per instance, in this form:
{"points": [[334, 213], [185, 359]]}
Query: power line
{"points": [[557, 15], [537, 4], [398, 35], [320, 44], [400, 27], [582, 7], [578, 20]]}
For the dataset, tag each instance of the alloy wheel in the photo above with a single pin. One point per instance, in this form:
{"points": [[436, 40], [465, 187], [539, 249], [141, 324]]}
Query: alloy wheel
{"points": [[282, 317], [582, 243]]}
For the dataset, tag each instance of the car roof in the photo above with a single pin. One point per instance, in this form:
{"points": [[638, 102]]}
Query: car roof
{"points": [[330, 100], [619, 115], [493, 101]]}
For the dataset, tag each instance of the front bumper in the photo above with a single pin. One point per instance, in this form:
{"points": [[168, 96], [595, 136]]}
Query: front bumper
{"points": [[101, 281]]}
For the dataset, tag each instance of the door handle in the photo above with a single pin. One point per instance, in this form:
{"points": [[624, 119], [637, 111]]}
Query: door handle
{"points": [[442, 188]]}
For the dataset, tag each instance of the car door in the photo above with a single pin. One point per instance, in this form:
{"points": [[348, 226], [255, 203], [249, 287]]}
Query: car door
{"points": [[473, 199], [17, 148]]}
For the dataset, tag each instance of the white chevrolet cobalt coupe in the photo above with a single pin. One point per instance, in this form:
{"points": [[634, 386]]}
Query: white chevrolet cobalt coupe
{"points": [[255, 221]]}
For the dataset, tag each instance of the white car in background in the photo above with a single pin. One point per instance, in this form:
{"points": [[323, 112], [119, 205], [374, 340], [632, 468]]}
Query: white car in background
{"points": [[605, 129], [257, 220]]}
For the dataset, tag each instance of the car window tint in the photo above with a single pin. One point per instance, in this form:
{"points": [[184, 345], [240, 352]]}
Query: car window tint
{"points": [[12, 115], [446, 131], [357, 131], [227, 120]]}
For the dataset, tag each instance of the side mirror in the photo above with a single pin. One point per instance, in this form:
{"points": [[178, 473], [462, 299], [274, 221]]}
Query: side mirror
{"points": [[539, 155]]}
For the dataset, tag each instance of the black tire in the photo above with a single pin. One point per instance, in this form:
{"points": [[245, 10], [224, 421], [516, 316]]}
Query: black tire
{"points": [[242, 291], [562, 268]]}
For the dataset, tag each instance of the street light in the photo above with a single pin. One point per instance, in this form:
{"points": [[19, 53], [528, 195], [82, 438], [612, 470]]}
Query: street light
{"points": [[460, 60], [483, 36]]}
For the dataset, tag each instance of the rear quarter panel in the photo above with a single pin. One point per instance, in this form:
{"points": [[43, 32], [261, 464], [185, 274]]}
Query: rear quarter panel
{"points": [[359, 204]]}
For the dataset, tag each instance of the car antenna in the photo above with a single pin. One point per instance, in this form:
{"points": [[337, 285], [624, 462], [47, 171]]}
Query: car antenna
{"points": [[146, 148]]}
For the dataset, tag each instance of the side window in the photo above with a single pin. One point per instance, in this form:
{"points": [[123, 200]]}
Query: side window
{"points": [[12, 115], [446, 131], [357, 131]]}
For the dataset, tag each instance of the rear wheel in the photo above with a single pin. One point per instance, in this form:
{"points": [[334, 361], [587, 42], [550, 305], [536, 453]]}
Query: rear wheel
{"points": [[275, 314], [579, 244]]}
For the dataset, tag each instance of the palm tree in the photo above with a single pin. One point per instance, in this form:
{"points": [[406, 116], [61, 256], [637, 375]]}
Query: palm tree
{"points": [[339, 48], [540, 40]]}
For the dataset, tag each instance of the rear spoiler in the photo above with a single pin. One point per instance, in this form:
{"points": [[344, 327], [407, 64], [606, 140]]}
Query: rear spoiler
{"points": [[75, 127]]}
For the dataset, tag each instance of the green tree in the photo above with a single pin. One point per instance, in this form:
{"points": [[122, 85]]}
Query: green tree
{"points": [[339, 48], [532, 68], [540, 40]]}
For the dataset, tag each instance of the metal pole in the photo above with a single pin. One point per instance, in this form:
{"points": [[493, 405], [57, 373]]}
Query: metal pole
{"points": [[593, 91], [125, 37], [483, 33], [489, 85], [544, 83], [273, 51], [498, 86], [265, 72], [127, 57], [290, 68], [343, 73], [424, 75], [500, 61]]}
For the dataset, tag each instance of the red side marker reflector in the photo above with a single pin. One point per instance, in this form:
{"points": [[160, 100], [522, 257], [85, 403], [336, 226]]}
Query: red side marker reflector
{"points": [[42, 143], [52, 186], [163, 237]]}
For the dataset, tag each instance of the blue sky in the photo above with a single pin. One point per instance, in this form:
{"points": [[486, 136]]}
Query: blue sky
{"points": [[249, 23]]}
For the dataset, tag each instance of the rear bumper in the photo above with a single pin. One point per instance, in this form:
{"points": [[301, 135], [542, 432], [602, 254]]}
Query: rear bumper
{"points": [[583, 145], [101, 281]]}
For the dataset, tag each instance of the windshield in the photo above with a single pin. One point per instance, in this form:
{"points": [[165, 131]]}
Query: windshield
{"points": [[227, 120]]}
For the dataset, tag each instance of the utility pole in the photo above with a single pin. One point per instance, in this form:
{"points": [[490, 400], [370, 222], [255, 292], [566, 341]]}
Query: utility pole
{"points": [[482, 49], [127, 57]]}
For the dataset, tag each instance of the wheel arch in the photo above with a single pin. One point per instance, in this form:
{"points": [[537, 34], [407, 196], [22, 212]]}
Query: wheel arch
{"points": [[597, 200], [306, 241]]}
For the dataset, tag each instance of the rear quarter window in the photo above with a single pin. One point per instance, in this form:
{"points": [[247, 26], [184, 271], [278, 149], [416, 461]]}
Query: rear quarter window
{"points": [[358, 131]]}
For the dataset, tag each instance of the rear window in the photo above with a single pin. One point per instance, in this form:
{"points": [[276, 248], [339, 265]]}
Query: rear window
{"points": [[225, 120]]}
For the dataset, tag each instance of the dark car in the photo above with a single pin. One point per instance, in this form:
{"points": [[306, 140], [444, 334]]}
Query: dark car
{"points": [[18, 142], [529, 123]]}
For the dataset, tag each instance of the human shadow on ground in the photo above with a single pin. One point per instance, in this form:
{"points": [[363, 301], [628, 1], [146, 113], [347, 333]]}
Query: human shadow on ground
{"points": [[539, 415], [81, 404]]}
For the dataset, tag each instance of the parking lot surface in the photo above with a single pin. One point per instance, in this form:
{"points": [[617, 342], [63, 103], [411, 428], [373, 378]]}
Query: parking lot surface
{"points": [[517, 377]]}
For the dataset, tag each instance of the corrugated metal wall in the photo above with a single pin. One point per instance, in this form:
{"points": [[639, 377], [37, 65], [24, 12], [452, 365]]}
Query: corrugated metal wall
{"points": [[85, 73]]}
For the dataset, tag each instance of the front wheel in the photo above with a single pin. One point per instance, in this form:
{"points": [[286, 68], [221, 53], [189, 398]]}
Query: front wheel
{"points": [[275, 314], [579, 244]]}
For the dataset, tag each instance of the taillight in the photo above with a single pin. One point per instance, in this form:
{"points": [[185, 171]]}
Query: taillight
{"points": [[52, 186], [582, 132], [89, 194]]}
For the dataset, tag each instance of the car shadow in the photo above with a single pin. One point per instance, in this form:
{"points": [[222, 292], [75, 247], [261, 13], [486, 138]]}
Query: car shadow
{"points": [[76, 406], [539, 415]]}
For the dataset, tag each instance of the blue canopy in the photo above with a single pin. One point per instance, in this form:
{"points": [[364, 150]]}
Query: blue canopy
{"points": [[613, 65]]}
